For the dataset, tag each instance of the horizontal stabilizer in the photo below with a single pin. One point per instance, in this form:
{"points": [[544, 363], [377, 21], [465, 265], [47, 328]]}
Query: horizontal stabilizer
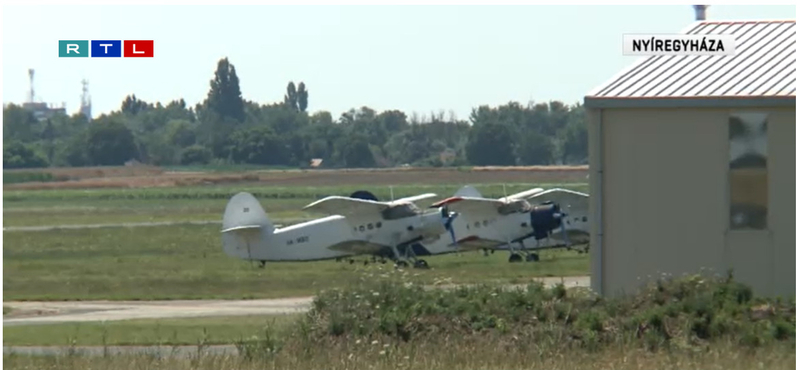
{"points": [[243, 227], [468, 191]]}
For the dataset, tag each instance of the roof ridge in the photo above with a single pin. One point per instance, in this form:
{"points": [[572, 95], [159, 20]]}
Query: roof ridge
{"points": [[743, 21]]}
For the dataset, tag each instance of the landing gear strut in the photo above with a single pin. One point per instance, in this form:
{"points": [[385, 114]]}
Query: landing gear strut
{"points": [[516, 255], [409, 256]]}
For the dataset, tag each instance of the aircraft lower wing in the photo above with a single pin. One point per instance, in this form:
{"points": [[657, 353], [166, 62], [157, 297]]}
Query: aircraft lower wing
{"points": [[359, 247]]}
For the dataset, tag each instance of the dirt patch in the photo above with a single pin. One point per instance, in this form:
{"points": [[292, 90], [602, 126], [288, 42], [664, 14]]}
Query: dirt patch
{"points": [[110, 178]]}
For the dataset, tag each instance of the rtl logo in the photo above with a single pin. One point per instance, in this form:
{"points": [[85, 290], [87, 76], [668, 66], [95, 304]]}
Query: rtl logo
{"points": [[105, 48]]}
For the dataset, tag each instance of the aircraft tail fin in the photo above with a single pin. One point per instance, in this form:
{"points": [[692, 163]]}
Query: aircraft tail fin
{"points": [[244, 225], [244, 212], [468, 191]]}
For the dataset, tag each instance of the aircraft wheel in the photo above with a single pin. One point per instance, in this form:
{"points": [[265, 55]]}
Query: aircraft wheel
{"points": [[352, 261], [421, 264], [401, 264], [514, 258], [532, 257], [366, 262]]}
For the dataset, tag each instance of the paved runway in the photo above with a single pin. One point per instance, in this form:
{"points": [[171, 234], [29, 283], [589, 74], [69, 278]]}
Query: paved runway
{"points": [[37, 313]]}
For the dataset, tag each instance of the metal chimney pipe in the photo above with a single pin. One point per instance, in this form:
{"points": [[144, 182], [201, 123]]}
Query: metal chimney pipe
{"points": [[700, 12]]}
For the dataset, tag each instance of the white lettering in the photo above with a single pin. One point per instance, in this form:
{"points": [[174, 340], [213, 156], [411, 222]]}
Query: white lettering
{"points": [[73, 47], [136, 52], [105, 47]]}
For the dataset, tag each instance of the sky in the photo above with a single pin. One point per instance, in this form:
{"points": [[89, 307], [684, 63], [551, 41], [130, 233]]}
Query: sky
{"points": [[419, 59]]}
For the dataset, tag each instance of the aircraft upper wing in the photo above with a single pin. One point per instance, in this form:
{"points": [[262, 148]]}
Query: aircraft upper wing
{"points": [[527, 194], [567, 199], [346, 206], [412, 199], [471, 204], [355, 207]]}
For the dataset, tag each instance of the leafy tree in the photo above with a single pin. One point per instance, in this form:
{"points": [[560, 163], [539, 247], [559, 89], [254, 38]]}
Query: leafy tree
{"points": [[290, 99], [225, 97], [18, 124], [131, 105], [321, 118], [110, 143], [575, 138], [491, 144], [18, 155], [257, 145], [535, 149], [195, 154], [302, 97], [355, 152]]}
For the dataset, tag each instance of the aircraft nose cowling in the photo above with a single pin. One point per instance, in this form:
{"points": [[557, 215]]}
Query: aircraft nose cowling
{"points": [[545, 218]]}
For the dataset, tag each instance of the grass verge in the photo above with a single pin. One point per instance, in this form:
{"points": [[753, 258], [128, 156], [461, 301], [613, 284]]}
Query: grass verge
{"points": [[60, 207], [191, 331]]}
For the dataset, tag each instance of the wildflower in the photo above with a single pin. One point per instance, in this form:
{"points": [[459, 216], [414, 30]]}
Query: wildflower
{"points": [[374, 342], [358, 341], [382, 353], [386, 345], [375, 294]]}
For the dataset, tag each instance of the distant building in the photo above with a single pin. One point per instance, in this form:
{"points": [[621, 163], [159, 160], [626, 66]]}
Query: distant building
{"points": [[447, 156], [43, 111], [316, 162]]}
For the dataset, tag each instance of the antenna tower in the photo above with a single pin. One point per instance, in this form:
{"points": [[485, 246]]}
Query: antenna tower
{"points": [[86, 100], [30, 93]]}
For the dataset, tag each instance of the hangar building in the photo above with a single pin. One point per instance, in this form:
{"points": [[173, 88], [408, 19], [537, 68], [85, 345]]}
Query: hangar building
{"points": [[692, 163]]}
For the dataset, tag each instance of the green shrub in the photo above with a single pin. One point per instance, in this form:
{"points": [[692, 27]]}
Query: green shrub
{"points": [[670, 313]]}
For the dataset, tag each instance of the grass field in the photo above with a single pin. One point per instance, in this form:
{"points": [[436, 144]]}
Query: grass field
{"points": [[181, 262], [204, 330], [187, 262], [96, 206], [146, 176]]}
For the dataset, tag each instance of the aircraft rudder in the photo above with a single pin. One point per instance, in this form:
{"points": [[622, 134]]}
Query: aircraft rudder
{"points": [[244, 211]]}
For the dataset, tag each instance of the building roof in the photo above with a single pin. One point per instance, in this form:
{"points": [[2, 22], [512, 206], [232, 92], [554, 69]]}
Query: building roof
{"points": [[761, 73]]}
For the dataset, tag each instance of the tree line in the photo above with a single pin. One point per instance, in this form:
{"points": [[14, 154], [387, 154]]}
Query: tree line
{"points": [[227, 129]]}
